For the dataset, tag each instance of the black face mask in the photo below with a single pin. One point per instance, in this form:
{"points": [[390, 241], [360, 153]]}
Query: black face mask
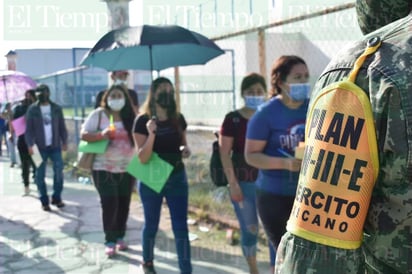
{"points": [[166, 100], [43, 98]]}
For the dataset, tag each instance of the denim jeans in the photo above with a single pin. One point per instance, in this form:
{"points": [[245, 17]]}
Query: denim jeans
{"points": [[55, 155], [247, 215], [11, 148], [176, 193]]}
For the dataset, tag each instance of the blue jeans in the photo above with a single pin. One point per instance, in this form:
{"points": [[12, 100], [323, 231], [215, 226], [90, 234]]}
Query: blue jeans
{"points": [[176, 193], [55, 155], [247, 215], [11, 148]]}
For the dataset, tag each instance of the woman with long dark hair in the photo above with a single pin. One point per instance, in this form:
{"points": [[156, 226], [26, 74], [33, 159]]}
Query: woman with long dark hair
{"points": [[113, 121], [161, 129]]}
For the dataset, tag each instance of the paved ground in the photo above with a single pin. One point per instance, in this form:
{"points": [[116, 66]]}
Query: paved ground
{"points": [[70, 240]]}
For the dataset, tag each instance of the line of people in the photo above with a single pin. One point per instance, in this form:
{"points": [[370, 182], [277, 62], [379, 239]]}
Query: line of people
{"points": [[254, 141], [278, 125], [257, 144], [159, 128]]}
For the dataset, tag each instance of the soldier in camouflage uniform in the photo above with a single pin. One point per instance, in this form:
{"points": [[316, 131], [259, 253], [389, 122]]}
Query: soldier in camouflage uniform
{"points": [[387, 76]]}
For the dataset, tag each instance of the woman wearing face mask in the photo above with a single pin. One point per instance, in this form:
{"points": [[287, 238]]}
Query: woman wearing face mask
{"points": [[112, 182], [241, 176], [273, 133], [161, 129]]}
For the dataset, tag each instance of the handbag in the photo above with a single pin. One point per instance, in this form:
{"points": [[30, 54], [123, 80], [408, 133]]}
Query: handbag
{"points": [[87, 159]]}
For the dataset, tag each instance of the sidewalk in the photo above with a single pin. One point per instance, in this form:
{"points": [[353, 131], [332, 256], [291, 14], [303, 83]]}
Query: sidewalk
{"points": [[70, 240]]}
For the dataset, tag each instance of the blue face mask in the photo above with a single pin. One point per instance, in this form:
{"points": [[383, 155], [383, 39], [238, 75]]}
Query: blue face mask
{"points": [[299, 92], [253, 102]]}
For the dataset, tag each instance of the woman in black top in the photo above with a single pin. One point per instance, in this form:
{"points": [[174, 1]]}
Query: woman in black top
{"points": [[161, 129]]}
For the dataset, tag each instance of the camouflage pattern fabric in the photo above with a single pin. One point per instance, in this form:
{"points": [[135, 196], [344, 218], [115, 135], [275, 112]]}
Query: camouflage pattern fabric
{"points": [[387, 77], [296, 255], [374, 14]]}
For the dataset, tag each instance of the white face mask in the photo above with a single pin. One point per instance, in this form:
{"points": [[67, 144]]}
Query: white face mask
{"points": [[120, 82], [116, 104]]}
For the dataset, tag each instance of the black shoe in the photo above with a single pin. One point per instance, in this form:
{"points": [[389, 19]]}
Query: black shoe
{"points": [[148, 268], [59, 204], [46, 207]]}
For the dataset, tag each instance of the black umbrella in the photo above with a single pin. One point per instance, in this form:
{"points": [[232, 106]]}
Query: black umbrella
{"points": [[151, 48]]}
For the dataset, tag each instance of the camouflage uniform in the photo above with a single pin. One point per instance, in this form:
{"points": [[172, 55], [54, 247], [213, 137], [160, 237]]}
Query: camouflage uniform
{"points": [[387, 76]]}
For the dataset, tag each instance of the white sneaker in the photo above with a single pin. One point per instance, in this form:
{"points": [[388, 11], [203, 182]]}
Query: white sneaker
{"points": [[26, 190]]}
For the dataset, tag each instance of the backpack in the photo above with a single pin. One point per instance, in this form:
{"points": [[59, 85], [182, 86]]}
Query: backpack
{"points": [[216, 170], [340, 164]]}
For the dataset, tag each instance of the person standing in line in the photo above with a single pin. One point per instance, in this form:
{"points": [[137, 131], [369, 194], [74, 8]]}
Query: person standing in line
{"points": [[273, 133], [3, 130], [161, 129], [46, 128], [385, 77], [25, 157], [11, 137], [241, 176], [109, 174], [119, 77]]}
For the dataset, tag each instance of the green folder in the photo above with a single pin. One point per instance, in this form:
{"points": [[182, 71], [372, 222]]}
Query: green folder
{"points": [[93, 147], [153, 174]]}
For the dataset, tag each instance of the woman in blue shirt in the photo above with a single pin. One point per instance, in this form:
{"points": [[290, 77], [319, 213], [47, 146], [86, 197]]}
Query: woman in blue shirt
{"points": [[273, 133]]}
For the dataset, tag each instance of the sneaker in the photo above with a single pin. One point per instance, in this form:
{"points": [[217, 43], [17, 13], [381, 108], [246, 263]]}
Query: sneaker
{"points": [[46, 207], [110, 250], [26, 191], [121, 245], [148, 268], [58, 203]]}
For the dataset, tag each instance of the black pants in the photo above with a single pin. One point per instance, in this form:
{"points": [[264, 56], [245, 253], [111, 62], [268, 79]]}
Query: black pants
{"points": [[26, 161], [115, 190], [274, 211]]}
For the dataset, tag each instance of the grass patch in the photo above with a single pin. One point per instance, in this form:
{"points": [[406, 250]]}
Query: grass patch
{"points": [[203, 194]]}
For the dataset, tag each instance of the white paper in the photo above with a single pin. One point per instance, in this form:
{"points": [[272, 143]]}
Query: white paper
{"points": [[36, 156]]}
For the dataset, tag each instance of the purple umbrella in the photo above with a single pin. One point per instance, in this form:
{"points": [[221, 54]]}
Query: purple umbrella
{"points": [[13, 85]]}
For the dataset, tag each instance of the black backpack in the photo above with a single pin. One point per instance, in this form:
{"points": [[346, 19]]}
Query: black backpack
{"points": [[216, 169], [215, 166]]}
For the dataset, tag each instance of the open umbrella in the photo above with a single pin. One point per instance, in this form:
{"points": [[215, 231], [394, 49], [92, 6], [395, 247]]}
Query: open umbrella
{"points": [[13, 85], [151, 48]]}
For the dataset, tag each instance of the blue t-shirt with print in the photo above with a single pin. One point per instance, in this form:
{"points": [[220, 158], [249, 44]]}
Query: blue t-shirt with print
{"points": [[282, 128]]}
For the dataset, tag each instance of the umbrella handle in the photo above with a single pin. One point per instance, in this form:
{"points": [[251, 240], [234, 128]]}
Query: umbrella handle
{"points": [[5, 88], [153, 110]]}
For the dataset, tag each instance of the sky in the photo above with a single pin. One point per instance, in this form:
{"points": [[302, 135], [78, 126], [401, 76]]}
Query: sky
{"points": [[42, 24]]}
